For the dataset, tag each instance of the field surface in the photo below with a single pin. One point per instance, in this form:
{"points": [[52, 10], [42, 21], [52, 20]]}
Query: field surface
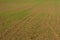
{"points": [[29, 20]]}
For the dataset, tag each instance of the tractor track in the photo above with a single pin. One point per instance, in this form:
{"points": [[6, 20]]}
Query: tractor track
{"points": [[29, 18], [22, 26]]}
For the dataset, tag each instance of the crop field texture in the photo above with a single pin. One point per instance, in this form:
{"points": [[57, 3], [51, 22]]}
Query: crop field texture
{"points": [[29, 19]]}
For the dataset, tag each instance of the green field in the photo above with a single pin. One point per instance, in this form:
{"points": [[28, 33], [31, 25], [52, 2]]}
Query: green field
{"points": [[29, 19]]}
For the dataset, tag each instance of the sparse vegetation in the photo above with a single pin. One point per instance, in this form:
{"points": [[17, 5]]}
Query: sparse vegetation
{"points": [[29, 20]]}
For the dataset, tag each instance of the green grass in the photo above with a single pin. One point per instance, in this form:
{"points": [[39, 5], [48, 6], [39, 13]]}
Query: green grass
{"points": [[10, 17]]}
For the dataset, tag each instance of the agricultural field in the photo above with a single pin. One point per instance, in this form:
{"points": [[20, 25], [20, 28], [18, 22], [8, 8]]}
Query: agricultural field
{"points": [[29, 20]]}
